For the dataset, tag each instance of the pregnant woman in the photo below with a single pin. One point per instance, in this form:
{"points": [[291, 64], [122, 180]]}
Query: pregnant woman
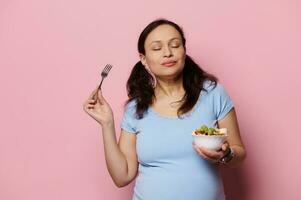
{"points": [[169, 97]]}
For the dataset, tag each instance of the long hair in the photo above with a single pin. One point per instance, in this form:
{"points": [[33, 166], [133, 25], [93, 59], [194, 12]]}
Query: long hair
{"points": [[140, 83]]}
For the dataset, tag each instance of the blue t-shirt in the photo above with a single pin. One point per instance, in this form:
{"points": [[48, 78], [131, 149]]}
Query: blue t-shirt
{"points": [[169, 167]]}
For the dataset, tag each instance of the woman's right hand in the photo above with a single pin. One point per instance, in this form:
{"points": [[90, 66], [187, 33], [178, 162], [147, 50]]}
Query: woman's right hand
{"points": [[98, 108]]}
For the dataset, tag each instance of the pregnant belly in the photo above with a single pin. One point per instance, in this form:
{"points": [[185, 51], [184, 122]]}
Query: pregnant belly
{"points": [[155, 183]]}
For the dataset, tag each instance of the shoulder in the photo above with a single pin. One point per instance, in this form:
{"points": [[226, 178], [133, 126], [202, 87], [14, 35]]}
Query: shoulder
{"points": [[211, 88], [129, 121], [131, 104], [218, 97], [130, 108]]}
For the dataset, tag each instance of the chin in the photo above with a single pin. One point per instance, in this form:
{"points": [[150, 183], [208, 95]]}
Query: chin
{"points": [[171, 75]]}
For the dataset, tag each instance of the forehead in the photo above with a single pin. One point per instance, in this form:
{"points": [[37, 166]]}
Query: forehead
{"points": [[162, 33]]}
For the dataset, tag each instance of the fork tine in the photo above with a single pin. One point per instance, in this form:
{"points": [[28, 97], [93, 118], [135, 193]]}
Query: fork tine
{"points": [[107, 69], [104, 74]]}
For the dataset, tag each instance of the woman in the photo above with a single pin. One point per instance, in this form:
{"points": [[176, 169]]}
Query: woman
{"points": [[169, 97]]}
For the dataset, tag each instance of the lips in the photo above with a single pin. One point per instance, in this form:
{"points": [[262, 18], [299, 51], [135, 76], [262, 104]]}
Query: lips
{"points": [[169, 63]]}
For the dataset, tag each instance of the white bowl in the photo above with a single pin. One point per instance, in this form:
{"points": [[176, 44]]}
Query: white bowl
{"points": [[211, 142]]}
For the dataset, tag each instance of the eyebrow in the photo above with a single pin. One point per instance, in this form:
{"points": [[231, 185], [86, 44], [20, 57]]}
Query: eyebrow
{"points": [[160, 40]]}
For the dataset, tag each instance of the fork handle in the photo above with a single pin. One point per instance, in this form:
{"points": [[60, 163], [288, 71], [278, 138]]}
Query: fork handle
{"points": [[99, 87], [100, 83]]}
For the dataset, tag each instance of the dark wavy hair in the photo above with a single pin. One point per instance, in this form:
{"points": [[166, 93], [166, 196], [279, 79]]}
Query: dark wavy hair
{"points": [[140, 83]]}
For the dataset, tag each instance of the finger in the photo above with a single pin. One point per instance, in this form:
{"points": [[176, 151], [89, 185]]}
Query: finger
{"points": [[88, 110], [200, 152], [212, 160], [225, 146], [89, 101], [85, 109], [92, 95], [88, 107], [101, 99], [211, 154]]}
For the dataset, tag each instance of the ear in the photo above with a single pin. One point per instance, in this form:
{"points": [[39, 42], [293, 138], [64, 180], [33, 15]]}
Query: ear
{"points": [[143, 60]]}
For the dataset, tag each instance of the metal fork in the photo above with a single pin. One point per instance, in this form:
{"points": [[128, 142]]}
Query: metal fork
{"points": [[104, 74]]}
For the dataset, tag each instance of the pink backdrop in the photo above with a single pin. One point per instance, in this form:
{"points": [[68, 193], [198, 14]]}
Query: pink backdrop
{"points": [[51, 54]]}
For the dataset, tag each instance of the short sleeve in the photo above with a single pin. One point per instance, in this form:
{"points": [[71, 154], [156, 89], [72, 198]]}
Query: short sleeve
{"points": [[222, 102], [128, 122]]}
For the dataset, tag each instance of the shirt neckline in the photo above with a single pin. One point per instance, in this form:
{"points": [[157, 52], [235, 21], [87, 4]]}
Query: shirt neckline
{"points": [[176, 117]]}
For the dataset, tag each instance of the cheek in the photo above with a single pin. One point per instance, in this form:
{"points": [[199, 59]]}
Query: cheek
{"points": [[153, 59], [181, 53]]}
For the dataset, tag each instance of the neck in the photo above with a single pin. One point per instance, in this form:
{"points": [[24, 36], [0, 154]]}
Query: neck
{"points": [[170, 87]]}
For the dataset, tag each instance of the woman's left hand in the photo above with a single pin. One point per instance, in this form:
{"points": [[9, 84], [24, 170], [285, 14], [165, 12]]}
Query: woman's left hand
{"points": [[212, 155]]}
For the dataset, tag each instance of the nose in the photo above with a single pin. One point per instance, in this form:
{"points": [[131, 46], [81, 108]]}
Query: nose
{"points": [[167, 52]]}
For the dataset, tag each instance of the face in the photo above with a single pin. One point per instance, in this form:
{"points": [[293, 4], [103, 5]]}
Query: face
{"points": [[164, 52]]}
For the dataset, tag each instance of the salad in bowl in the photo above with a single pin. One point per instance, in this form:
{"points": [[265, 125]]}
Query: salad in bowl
{"points": [[210, 138]]}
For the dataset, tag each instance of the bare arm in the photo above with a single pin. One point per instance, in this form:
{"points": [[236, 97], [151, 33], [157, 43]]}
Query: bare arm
{"points": [[234, 138], [121, 159]]}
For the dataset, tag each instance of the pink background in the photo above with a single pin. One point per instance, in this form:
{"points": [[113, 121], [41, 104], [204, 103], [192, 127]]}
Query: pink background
{"points": [[51, 55]]}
